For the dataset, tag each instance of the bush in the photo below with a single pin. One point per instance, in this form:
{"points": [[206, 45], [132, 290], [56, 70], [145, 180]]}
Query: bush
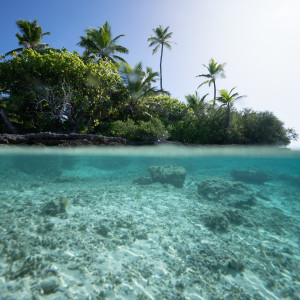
{"points": [[265, 128], [142, 131], [189, 130], [165, 108], [56, 89]]}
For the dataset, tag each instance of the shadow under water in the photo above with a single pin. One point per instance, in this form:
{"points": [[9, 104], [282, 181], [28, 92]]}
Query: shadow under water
{"points": [[160, 222]]}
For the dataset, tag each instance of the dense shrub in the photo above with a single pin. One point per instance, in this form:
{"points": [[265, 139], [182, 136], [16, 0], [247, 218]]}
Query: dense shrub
{"points": [[142, 131], [204, 128], [265, 128], [189, 130], [58, 89], [165, 108]]}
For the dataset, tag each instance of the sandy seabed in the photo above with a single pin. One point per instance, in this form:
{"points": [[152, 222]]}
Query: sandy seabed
{"points": [[115, 239]]}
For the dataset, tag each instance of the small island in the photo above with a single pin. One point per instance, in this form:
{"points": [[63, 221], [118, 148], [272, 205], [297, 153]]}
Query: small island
{"points": [[56, 97]]}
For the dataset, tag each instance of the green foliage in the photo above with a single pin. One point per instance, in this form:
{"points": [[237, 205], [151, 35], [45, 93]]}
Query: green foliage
{"points": [[149, 131], [197, 104], [99, 42], [160, 38], [165, 108], [265, 128], [56, 89], [227, 99], [189, 130], [31, 36], [201, 128], [139, 86], [214, 70]]}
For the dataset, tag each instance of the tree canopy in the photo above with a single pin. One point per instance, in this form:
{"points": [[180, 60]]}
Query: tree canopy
{"points": [[214, 70], [31, 36], [100, 42]]}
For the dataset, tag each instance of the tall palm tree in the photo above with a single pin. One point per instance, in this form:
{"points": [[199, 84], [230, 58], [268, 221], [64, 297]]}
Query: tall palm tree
{"points": [[227, 100], [99, 42], [138, 84], [30, 37], [214, 70], [160, 39]]}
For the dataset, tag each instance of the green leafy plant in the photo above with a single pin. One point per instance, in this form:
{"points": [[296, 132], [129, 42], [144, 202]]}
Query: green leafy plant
{"points": [[100, 42], [139, 86], [214, 70], [227, 99], [31, 36], [149, 131], [59, 90]]}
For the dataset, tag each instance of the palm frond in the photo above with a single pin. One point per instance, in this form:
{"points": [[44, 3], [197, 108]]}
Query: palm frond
{"points": [[12, 51], [205, 82], [204, 75], [155, 49], [232, 90], [168, 46]]}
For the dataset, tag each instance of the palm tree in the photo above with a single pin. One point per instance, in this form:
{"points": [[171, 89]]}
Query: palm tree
{"points": [[138, 84], [227, 100], [30, 37], [196, 103], [214, 70], [99, 42], [161, 38]]}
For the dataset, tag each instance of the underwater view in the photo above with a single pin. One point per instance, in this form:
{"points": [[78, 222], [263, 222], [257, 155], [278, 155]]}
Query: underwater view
{"points": [[160, 222]]}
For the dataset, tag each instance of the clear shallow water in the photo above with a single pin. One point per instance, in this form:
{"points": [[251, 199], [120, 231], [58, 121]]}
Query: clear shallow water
{"points": [[96, 223]]}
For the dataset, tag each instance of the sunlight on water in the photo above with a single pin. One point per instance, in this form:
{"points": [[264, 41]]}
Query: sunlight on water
{"points": [[160, 222]]}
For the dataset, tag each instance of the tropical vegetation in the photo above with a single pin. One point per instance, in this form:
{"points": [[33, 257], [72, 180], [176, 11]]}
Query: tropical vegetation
{"points": [[215, 70], [31, 36], [47, 89], [227, 99], [160, 39], [100, 42]]}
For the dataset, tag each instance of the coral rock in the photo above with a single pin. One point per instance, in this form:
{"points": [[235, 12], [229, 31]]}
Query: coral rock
{"points": [[170, 174], [49, 285], [218, 188], [253, 176]]}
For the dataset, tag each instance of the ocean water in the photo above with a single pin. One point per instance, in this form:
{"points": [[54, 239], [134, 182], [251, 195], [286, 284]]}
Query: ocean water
{"points": [[160, 222]]}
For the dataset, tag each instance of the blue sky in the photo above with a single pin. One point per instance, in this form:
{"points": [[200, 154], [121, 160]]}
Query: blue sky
{"points": [[258, 39]]}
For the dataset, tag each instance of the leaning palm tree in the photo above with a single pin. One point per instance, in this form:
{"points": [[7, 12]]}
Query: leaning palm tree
{"points": [[138, 84], [227, 100], [99, 42], [160, 39], [214, 70], [30, 37]]}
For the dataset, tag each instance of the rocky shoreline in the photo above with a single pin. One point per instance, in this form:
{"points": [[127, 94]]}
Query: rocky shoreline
{"points": [[58, 139]]}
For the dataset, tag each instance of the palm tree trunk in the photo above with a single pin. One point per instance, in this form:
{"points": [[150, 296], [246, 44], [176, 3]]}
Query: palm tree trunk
{"points": [[161, 56], [227, 122], [215, 92], [7, 121]]}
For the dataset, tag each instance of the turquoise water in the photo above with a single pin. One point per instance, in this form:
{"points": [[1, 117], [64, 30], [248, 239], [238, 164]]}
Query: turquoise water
{"points": [[161, 222]]}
